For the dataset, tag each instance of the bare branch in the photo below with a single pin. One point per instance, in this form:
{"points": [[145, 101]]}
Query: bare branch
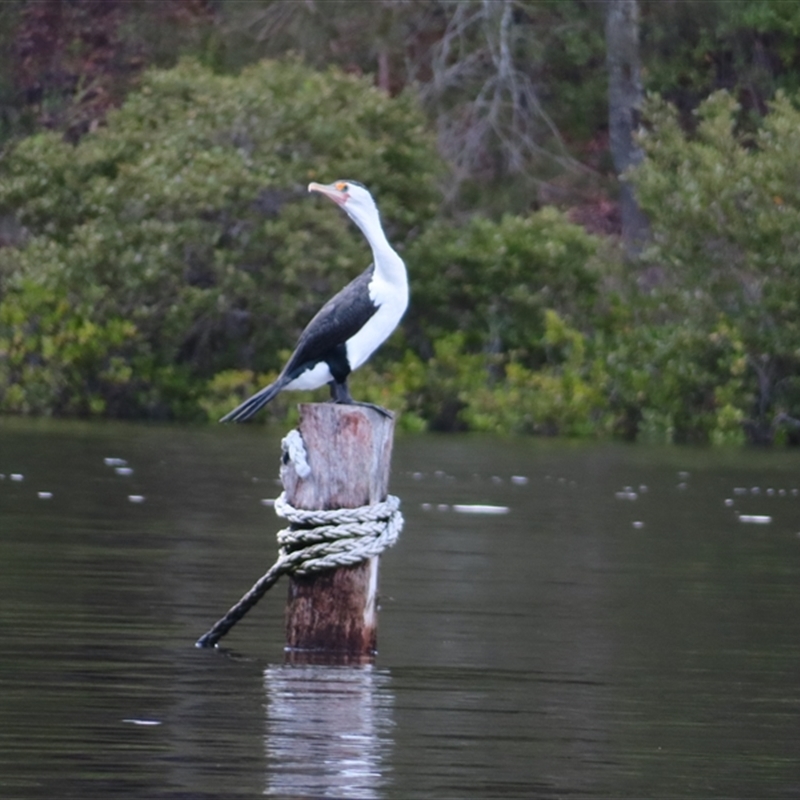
{"points": [[472, 62], [489, 115]]}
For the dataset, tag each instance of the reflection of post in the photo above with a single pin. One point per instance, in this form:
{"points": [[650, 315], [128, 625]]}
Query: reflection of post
{"points": [[328, 731]]}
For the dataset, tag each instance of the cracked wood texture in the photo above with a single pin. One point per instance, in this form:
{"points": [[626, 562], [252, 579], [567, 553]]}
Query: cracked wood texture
{"points": [[332, 616]]}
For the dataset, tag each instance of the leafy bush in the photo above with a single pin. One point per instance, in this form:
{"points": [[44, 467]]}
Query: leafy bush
{"points": [[566, 396], [166, 264], [725, 212], [691, 49], [185, 223], [55, 359], [672, 383], [494, 282], [456, 389]]}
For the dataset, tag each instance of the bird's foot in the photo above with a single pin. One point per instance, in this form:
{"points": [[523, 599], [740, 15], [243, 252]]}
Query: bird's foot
{"points": [[350, 402], [380, 409], [341, 394]]}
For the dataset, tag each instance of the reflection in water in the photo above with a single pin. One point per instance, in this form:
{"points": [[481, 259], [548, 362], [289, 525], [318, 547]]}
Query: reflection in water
{"points": [[328, 730]]}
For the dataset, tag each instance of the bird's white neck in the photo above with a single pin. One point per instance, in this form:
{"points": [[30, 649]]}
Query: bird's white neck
{"points": [[388, 263]]}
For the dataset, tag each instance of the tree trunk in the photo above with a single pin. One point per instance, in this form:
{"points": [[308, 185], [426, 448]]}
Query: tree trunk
{"points": [[624, 106]]}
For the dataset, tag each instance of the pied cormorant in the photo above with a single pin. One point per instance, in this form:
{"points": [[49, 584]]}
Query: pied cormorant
{"points": [[348, 329]]}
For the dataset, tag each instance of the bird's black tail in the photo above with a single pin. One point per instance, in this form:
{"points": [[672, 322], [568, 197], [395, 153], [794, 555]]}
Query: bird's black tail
{"points": [[254, 403]]}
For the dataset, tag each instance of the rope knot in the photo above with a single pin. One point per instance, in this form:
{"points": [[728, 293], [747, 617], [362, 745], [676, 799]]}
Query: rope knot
{"points": [[342, 537]]}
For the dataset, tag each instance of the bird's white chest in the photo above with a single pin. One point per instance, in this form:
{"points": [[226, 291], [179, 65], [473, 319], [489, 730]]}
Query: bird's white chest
{"points": [[391, 299]]}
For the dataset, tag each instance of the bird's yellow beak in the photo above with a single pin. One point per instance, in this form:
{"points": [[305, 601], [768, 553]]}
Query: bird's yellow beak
{"points": [[335, 191]]}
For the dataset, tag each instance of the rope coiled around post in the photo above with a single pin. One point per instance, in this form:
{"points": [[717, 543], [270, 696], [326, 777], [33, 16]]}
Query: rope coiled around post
{"points": [[316, 541], [339, 538]]}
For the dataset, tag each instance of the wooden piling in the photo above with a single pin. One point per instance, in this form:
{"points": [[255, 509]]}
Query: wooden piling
{"points": [[349, 449]]}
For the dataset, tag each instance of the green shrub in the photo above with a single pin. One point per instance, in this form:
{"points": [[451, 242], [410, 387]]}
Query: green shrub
{"points": [[55, 359], [672, 383], [494, 281], [724, 207], [565, 396], [187, 217], [456, 389]]}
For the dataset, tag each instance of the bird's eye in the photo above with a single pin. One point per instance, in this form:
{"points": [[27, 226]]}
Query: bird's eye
{"points": [[342, 187]]}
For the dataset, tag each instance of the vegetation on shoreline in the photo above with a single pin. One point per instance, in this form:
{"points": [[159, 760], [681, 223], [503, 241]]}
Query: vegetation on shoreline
{"points": [[162, 263]]}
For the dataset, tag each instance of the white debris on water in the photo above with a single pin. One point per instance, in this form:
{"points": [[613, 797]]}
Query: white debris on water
{"points": [[136, 498], [626, 494], [123, 471], [756, 519], [114, 462], [17, 476], [477, 508], [44, 495], [519, 480]]}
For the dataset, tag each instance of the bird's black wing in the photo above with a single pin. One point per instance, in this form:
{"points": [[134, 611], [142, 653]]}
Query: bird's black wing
{"points": [[339, 319]]}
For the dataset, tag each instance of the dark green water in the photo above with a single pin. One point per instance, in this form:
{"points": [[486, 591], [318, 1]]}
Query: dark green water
{"points": [[583, 645]]}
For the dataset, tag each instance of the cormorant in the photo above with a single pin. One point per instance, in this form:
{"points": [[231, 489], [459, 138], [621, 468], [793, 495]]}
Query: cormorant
{"points": [[348, 329]]}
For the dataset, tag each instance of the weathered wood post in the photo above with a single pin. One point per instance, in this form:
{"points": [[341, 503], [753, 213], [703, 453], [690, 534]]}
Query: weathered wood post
{"points": [[349, 449]]}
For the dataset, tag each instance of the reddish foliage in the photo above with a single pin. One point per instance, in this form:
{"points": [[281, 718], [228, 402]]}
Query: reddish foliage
{"points": [[74, 60], [598, 215]]}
